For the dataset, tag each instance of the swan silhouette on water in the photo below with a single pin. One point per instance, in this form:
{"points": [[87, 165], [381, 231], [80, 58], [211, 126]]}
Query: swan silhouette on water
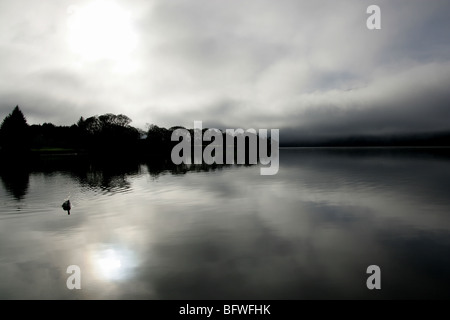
{"points": [[67, 206]]}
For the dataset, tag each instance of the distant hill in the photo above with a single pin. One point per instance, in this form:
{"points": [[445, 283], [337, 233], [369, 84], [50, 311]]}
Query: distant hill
{"points": [[435, 139]]}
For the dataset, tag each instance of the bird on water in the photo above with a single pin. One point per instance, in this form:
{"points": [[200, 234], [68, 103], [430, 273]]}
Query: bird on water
{"points": [[67, 206]]}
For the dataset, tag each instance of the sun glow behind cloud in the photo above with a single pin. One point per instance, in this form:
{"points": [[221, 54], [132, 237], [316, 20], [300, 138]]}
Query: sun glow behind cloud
{"points": [[101, 30], [311, 65]]}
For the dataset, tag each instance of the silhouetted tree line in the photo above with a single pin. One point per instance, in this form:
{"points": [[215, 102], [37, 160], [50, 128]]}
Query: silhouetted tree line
{"points": [[112, 136], [15, 133], [105, 135]]}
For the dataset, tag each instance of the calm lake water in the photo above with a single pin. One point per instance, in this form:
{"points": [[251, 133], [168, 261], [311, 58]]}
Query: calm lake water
{"points": [[142, 232]]}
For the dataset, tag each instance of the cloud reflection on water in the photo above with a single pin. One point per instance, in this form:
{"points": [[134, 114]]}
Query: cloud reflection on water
{"points": [[308, 232]]}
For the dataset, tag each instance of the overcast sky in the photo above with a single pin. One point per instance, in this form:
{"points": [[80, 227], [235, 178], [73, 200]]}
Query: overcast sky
{"points": [[311, 66]]}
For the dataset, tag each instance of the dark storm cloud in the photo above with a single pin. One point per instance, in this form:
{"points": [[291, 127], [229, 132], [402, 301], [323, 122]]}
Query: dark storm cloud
{"points": [[307, 66], [413, 105]]}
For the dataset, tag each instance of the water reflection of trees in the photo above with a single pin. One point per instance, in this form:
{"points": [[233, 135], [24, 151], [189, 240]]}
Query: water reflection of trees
{"points": [[104, 175], [15, 177], [157, 168], [107, 175], [109, 179]]}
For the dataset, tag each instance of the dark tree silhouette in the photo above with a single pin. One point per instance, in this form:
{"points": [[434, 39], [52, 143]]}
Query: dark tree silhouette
{"points": [[14, 133], [157, 136], [108, 133], [16, 179], [158, 142]]}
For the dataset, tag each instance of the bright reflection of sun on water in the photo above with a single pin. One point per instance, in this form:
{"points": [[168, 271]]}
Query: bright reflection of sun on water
{"points": [[101, 30], [112, 264]]}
